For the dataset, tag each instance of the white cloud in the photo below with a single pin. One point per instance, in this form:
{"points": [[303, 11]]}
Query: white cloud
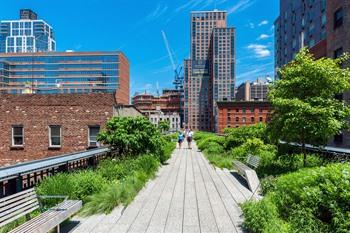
{"points": [[264, 22], [158, 12], [263, 37], [251, 25], [240, 6], [260, 50]]}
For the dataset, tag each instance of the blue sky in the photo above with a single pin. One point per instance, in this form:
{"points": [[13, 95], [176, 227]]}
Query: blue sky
{"points": [[134, 27]]}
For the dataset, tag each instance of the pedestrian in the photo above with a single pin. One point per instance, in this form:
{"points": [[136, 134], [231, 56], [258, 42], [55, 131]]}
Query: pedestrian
{"points": [[189, 138], [180, 139]]}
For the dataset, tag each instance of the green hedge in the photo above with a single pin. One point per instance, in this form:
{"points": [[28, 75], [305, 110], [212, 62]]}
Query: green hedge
{"points": [[310, 200]]}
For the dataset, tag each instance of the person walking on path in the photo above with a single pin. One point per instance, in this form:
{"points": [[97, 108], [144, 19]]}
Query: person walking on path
{"points": [[189, 138], [180, 139]]}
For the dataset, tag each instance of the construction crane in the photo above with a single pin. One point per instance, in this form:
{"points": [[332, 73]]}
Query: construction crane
{"points": [[178, 80]]}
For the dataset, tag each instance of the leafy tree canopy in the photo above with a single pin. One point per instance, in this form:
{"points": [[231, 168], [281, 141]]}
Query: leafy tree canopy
{"points": [[164, 125], [305, 107], [132, 136]]}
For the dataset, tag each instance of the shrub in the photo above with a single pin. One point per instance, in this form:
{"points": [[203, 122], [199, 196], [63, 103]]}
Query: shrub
{"points": [[215, 140], [262, 216], [132, 136], [255, 147], [309, 200], [237, 136], [221, 161], [214, 148], [168, 149], [78, 185]]}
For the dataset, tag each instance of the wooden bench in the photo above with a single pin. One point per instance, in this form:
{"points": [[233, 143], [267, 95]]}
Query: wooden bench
{"points": [[249, 173], [23, 203]]}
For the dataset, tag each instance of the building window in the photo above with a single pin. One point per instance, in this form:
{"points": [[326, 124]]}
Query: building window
{"points": [[17, 135], [93, 131], [244, 120], [252, 119], [338, 18], [260, 119], [243, 110], [55, 135], [237, 119]]}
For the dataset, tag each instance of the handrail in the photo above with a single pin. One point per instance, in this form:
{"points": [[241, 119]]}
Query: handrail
{"points": [[42, 164]]}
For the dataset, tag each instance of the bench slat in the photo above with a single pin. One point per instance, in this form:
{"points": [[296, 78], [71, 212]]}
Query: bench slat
{"points": [[51, 218], [18, 207], [2, 200], [19, 200], [18, 216]]}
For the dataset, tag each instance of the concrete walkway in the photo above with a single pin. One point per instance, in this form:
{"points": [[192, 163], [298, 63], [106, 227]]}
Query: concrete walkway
{"points": [[188, 195]]}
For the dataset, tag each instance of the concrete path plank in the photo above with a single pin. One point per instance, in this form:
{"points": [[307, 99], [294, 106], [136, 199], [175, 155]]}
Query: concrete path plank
{"points": [[188, 195]]}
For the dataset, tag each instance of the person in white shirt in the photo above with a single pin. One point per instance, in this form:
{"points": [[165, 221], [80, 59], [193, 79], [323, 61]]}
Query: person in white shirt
{"points": [[189, 138]]}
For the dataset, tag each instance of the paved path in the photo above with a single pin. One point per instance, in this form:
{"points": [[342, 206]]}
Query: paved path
{"points": [[188, 195]]}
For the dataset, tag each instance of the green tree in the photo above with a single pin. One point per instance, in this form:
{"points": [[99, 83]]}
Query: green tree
{"points": [[164, 125], [132, 136], [305, 107]]}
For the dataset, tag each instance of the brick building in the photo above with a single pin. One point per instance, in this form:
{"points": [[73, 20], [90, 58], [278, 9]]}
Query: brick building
{"points": [[168, 102], [242, 113], [338, 42], [39, 126]]}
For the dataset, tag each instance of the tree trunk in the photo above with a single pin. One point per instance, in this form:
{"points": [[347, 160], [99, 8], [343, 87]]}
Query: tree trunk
{"points": [[303, 147]]}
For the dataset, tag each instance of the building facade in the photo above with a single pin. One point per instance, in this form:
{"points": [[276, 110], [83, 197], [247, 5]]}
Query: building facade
{"points": [[66, 72], [173, 118], [210, 72], [39, 126], [253, 91], [26, 35], [300, 23], [168, 102], [234, 114], [338, 42], [168, 107], [324, 27]]}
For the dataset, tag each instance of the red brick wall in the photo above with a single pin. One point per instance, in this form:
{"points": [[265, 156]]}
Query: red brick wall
{"points": [[320, 49], [339, 37], [74, 112], [229, 111], [123, 92]]}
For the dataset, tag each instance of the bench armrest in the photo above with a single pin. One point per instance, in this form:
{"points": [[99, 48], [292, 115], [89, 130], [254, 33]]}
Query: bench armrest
{"points": [[52, 197]]}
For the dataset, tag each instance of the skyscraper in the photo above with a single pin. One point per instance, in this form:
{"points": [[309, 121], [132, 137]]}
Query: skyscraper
{"points": [[209, 73], [26, 35], [323, 27], [300, 23]]}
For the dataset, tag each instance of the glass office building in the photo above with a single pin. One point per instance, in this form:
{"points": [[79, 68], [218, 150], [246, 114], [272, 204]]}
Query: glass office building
{"points": [[67, 72], [26, 35]]}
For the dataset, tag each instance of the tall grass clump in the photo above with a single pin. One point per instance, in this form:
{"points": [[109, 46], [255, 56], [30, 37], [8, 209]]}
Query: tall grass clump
{"points": [[309, 200]]}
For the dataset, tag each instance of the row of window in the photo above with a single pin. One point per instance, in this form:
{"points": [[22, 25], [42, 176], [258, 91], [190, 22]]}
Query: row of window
{"points": [[244, 119], [55, 136], [244, 110]]}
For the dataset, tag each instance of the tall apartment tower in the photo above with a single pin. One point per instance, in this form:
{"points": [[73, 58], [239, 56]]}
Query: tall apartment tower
{"points": [[321, 25], [26, 35], [209, 73], [301, 23]]}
